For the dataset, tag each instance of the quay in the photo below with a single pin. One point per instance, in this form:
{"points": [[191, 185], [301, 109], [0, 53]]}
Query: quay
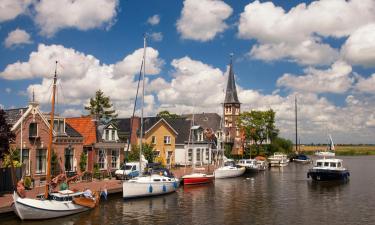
{"points": [[113, 186]]}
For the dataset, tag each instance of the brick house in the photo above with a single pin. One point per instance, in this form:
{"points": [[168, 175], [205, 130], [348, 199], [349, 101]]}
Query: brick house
{"points": [[34, 136]]}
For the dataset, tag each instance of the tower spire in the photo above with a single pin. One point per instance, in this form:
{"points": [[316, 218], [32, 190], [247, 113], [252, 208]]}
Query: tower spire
{"points": [[231, 91]]}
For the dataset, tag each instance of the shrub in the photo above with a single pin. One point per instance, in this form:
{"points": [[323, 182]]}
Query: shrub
{"points": [[27, 182]]}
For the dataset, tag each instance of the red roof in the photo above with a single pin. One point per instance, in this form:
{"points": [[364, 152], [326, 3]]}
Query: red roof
{"points": [[85, 125]]}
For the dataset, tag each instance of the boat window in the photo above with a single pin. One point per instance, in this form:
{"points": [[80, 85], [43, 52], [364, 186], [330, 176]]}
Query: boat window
{"points": [[156, 179], [169, 179], [339, 164], [333, 164], [326, 164], [319, 164], [248, 161], [164, 180]]}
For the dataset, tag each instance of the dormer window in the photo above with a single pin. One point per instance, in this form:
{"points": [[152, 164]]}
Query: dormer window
{"points": [[106, 134], [200, 136], [33, 130], [113, 135]]}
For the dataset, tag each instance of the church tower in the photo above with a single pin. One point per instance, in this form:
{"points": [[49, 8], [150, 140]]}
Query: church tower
{"points": [[232, 109]]}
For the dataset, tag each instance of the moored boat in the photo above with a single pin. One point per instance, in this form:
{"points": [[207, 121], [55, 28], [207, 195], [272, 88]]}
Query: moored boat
{"points": [[330, 152], [197, 178], [301, 158], [229, 170], [278, 160], [328, 169], [253, 165]]}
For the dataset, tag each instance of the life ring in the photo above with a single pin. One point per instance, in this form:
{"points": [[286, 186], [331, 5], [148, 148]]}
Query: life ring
{"points": [[150, 189], [164, 188], [175, 184]]}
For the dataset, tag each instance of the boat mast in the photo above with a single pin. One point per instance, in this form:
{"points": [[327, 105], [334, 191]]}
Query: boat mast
{"points": [[142, 102], [295, 108], [49, 149]]}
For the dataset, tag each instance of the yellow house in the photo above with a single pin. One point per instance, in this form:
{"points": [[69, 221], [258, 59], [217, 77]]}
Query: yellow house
{"points": [[162, 135]]}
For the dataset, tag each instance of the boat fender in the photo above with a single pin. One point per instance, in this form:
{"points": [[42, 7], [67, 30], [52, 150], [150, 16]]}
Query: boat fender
{"points": [[175, 185], [150, 189], [164, 188], [54, 198]]}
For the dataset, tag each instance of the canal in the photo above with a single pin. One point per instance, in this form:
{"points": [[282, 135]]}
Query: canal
{"points": [[276, 196]]}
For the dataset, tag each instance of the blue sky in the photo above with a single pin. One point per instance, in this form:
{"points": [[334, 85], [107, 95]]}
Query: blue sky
{"points": [[321, 51]]}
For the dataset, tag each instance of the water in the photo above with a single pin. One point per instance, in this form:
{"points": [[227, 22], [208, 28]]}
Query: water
{"points": [[277, 196]]}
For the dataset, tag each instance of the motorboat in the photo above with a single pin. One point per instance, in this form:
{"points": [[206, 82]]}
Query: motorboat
{"points": [[229, 170], [301, 158], [328, 169], [150, 185], [278, 160], [253, 165]]}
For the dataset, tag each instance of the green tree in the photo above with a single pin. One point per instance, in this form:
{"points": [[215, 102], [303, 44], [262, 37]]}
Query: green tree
{"points": [[6, 136], [83, 162], [101, 107], [167, 115], [147, 151], [281, 145], [258, 126]]}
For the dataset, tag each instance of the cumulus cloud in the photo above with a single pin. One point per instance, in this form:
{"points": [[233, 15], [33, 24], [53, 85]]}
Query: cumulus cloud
{"points": [[156, 36], [336, 79], [52, 16], [154, 20], [366, 85], [294, 33], [10, 9], [17, 37], [359, 48], [203, 20]]}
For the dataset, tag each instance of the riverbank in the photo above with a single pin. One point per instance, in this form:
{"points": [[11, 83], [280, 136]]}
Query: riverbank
{"points": [[349, 150]]}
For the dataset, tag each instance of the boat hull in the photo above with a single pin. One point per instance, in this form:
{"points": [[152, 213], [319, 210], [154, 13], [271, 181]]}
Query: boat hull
{"points": [[35, 209], [328, 175], [278, 163], [222, 173], [192, 180], [302, 161], [139, 190]]}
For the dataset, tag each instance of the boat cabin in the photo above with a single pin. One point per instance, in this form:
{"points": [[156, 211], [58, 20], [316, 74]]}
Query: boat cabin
{"points": [[328, 164]]}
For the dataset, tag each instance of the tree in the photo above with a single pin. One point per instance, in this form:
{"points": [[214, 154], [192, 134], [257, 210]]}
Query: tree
{"points": [[6, 136], [147, 152], [167, 115], [281, 145], [101, 107], [258, 127]]}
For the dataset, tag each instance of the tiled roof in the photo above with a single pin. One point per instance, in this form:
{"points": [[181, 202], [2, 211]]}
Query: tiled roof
{"points": [[13, 115], [231, 92], [206, 120], [85, 125]]}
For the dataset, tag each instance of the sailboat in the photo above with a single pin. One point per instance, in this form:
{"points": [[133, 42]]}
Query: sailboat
{"points": [[52, 205], [330, 152], [195, 177], [299, 158], [151, 184]]}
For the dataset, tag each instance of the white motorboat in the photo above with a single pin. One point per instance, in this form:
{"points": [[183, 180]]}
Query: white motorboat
{"points": [[150, 185], [278, 160], [229, 170], [60, 204], [253, 165]]}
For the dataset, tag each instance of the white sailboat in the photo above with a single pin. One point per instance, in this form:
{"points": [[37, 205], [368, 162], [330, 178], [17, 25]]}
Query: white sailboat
{"points": [[330, 152], [229, 170], [51, 205], [152, 184]]}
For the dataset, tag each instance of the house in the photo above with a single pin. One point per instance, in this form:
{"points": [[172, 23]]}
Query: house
{"points": [[31, 128]]}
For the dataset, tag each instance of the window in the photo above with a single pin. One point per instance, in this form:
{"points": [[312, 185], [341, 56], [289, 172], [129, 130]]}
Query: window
{"points": [[339, 164], [207, 154], [156, 153], [102, 159], [26, 160], [200, 136], [69, 152], [333, 164], [115, 160], [41, 161], [106, 135], [153, 140], [33, 130], [198, 154], [190, 155], [319, 164], [169, 156], [58, 126], [113, 135], [167, 140], [326, 164]]}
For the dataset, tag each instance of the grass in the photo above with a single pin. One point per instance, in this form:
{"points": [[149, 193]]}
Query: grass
{"points": [[350, 150]]}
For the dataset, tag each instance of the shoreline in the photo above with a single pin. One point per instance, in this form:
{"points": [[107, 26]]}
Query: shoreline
{"points": [[341, 150]]}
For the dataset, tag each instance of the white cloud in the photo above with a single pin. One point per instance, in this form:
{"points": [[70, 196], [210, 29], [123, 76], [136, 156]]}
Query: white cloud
{"points": [[156, 36], [203, 20], [52, 16], [336, 79], [10, 9], [17, 37], [154, 20], [8, 90], [284, 34], [359, 48], [366, 85]]}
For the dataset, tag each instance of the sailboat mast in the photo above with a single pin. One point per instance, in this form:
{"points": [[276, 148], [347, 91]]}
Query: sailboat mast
{"points": [[49, 150], [142, 101], [295, 108]]}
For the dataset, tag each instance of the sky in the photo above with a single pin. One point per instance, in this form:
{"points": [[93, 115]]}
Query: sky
{"points": [[321, 52]]}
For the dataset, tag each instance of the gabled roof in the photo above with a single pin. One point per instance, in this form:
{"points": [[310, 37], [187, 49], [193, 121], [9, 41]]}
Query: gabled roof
{"points": [[85, 126], [182, 126], [205, 120], [161, 120], [231, 91], [13, 115]]}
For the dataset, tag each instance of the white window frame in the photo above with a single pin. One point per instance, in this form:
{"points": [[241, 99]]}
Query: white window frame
{"points": [[44, 162], [102, 161], [116, 157], [153, 140], [167, 140]]}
